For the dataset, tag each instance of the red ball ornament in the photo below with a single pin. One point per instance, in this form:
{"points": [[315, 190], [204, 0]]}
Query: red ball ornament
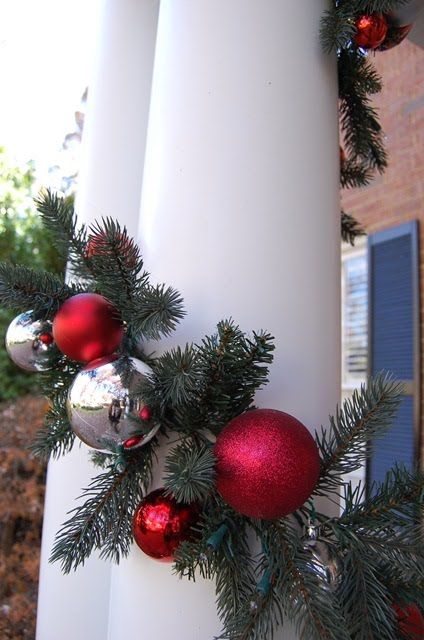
{"points": [[46, 338], [145, 413], [161, 523], [87, 326], [410, 621], [395, 35], [370, 31], [267, 463]]}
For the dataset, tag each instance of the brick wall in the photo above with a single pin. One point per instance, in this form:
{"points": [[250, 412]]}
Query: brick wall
{"points": [[398, 195]]}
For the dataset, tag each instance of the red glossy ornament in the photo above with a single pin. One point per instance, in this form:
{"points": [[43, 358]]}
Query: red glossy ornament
{"points": [[46, 338], [267, 463], [145, 413], [87, 326], [370, 31], [410, 621], [132, 442], [161, 523], [395, 35]]}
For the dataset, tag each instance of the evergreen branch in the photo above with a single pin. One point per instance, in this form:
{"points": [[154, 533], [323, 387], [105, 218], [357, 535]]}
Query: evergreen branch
{"points": [[345, 446], [24, 288], [101, 459], [56, 437], [155, 312], [116, 264], [351, 229], [366, 600], [175, 378], [399, 497], [104, 520], [362, 133], [378, 6], [233, 368], [190, 471], [58, 215], [337, 27], [353, 174], [306, 597]]}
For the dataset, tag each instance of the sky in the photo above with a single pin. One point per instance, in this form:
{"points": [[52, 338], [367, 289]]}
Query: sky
{"points": [[46, 53]]}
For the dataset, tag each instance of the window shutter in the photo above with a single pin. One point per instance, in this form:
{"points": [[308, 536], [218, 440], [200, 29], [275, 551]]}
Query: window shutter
{"points": [[394, 345]]}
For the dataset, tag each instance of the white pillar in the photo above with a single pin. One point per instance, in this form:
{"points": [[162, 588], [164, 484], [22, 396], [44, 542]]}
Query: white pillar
{"points": [[77, 606], [240, 212]]}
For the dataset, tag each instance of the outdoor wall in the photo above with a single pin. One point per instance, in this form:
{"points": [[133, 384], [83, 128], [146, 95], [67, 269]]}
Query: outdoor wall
{"points": [[398, 195]]}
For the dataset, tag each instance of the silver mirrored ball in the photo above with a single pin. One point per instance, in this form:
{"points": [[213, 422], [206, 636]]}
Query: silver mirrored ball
{"points": [[104, 406], [29, 342]]}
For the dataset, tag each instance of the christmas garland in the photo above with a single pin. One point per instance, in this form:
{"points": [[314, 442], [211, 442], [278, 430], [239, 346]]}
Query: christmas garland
{"points": [[353, 29], [235, 472]]}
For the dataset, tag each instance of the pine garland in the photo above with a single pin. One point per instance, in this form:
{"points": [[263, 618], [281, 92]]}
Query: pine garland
{"points": [[194, 392], [362, 136]]}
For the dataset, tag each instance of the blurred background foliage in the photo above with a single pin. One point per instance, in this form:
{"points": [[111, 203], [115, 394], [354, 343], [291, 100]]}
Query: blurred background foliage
{"points": [[23, 240]]}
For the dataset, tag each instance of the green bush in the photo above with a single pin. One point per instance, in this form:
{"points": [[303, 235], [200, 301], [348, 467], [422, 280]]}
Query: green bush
{"points": [[23, 240]]}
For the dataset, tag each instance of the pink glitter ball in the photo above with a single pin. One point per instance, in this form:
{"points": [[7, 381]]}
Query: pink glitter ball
{"points": [[267, 463]]}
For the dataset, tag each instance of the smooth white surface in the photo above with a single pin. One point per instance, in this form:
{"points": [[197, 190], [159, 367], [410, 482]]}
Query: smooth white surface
{"points": [[76, 607], [240, 211]]}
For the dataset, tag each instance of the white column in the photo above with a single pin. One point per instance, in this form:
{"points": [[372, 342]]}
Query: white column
{"points": [[77, 606], [240, 211]]}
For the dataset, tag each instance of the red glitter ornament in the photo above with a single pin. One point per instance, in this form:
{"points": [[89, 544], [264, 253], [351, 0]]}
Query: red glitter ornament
{"points": [[161, 523], [145, 413], [410, 621], [267, 463], [87, 326], [370, 31]]}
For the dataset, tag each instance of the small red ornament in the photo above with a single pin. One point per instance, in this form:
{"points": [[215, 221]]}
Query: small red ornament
{"points": [[267, 463], [410, 621], [370, 31], [132, 442], [145, 413], [161, 523], [395, 35], [96, 245], [87, 326], [46, 338]]}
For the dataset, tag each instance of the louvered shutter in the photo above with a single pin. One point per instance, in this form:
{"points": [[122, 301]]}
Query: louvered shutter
{"points": [[393, 261]]}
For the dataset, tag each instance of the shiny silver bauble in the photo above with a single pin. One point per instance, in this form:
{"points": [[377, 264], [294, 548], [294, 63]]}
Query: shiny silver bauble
{"points": [[325, 563], [29, 342], [105, 408]]}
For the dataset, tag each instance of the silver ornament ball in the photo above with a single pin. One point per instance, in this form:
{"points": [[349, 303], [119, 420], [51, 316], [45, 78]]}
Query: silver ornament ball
{"points": [[104, 404], [29, 342], [325, 563]]}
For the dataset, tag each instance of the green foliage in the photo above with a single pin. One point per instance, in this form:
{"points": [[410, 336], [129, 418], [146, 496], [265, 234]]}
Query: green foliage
{"points": [[190, 471], [361, 133], [345, 446], [23, 241], [194, 392], [104, 519], [350, 229]]}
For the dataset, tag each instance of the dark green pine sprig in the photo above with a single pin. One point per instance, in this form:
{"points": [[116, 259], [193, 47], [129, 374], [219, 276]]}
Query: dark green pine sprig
{"points": [[103, 520], [361, 132]]}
